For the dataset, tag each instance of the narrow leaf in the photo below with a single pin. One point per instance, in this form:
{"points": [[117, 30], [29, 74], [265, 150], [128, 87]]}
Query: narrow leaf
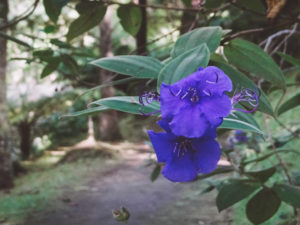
{"points": [[289, 104], [262, 175], [86, 112], [184, 65], [290, 59], [252, 58], [155, 173], [240, 80], [130, 18], [288, 193], [50, 67], [86, 21], [132, 65], [240, 121], [211, 36], [262, 206], [129, 104], [234, 191], [53, 8]]}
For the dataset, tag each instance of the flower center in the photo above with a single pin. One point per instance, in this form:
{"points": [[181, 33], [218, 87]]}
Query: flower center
{"points": [[182, 146]]}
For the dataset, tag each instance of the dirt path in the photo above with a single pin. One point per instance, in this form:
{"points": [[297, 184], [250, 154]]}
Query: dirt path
{"points": [[128, 184]]}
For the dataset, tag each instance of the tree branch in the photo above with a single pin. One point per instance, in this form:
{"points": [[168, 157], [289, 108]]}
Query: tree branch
{"points": [[20, 18]]}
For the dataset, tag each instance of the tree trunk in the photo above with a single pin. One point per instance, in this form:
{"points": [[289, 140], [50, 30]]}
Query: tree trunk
{"points": [[141, 37], [26, 141], [6, 174], [108, 121]]}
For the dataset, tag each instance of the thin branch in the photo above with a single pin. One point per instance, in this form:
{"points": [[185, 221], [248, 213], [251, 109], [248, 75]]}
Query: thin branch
{"points": [[20, 18]]}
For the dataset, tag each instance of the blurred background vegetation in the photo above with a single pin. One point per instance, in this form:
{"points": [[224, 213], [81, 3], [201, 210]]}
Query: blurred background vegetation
{"points": [[45, 50]]}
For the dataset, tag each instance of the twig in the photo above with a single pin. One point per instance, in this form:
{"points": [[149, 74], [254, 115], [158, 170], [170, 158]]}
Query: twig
{"points": [[17, 20], [254, 30], [285, 39]]}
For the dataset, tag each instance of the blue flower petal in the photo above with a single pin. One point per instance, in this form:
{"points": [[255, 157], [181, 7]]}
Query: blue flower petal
{"points": [[215, 108], [189, 122], [164, 123], [181, 169], [208, 154], [214, 80], [163, 144]]}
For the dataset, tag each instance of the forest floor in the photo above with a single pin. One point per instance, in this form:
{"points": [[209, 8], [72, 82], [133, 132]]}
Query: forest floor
{"points": [[127, 183]]}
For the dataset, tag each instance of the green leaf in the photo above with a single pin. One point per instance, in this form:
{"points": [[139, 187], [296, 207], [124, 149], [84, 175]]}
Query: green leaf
{"points": [[53, 8], [290, 59], [262, 206], [86, 21], [233, 191], [211, 36], [50, 67], [70, 63], [87, 112], [288, 193], [289, 104], [43, 55], [240, 80], [262, 175], [132, 65], [241, 121], [130, 18], [184, 65], [129, 104], [252, 58], [155, 173]]}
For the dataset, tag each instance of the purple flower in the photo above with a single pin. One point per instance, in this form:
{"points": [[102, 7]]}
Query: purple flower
{"points": [[196, 103], [185, 157], [240, 136], [246, 95]]}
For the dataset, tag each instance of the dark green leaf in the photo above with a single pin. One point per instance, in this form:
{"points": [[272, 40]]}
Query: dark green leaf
{"points": [[206, 190], [132, 65], [241, 121], [49, 29], [234, 191], [240, 80], [288, 193], [53, 8], [296, 177], [211, 36], [130, 18], [290, 59], [262, 206], [87, 112], [43, 55], [251, 58], [262, 175], [86, 21], [289, 104], [184, 65], [50, 67], [70, 63], [155, 173], [59, 43], [129, 104]]}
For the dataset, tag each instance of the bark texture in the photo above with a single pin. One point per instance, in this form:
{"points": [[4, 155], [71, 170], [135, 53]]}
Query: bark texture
{"points": [[6, 175], [108, 121]]}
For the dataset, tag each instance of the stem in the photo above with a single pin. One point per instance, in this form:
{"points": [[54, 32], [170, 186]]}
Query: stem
{"points": [[282, 164]]}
